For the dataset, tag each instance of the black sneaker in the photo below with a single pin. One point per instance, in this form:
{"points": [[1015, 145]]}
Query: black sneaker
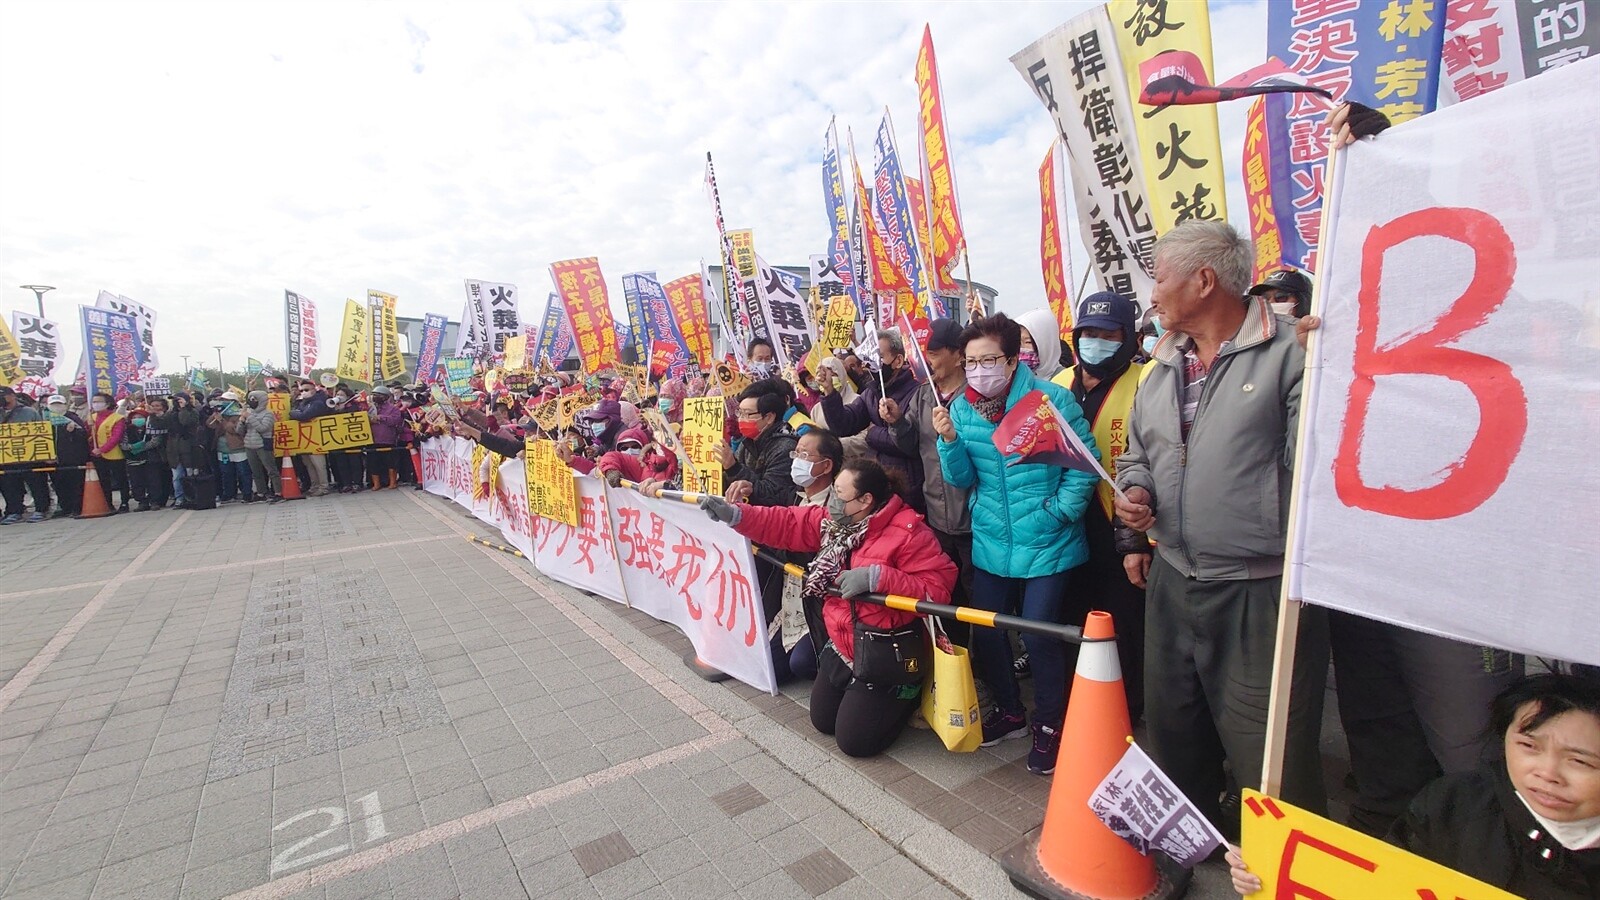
{"points": [[1002, 726], [1046, 744]]}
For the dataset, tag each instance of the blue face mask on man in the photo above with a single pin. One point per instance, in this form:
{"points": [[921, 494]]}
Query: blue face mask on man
{"points": [[1096, 351]]}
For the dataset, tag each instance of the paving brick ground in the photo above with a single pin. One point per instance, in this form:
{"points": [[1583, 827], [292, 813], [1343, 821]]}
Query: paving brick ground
{"points": [[343, 697]]}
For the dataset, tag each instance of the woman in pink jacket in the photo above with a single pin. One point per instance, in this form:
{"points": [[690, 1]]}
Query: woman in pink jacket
{"points": [[866, 540]]}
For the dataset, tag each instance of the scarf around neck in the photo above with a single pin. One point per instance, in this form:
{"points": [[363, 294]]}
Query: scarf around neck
{"points": [[838, 542]]}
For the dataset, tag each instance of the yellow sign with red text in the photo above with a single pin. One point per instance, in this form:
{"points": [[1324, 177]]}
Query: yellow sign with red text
{"points": [[1299, 854]]}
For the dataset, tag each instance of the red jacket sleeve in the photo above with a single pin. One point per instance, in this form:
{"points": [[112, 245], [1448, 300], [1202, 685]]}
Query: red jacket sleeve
{"points": [[797, 528]]}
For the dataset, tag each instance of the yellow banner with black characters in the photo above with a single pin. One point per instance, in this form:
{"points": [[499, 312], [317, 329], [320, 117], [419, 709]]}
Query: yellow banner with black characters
{"points": [[1179, 145]]}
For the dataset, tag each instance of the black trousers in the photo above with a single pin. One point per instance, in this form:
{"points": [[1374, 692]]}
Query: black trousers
{"points": [[157, 481], [381, 464], [345, 468], [113, 475], [68, 484], [1102, 584], [15, 485], [959, 548], [864, 718]]}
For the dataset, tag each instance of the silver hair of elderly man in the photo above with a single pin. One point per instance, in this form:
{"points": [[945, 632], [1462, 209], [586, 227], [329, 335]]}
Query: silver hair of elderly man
{"points": [[1218, 246], [897, 344]]}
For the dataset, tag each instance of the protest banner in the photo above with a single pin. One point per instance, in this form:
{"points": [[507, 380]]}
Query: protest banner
{"points": [[551, 494], [278, 402], [662, 323], [704, 427], [1451, 391], [38, 346], [156, 387], [355, 344], [881, 279], [892, 209], [784, 311], [687, 301], [732, 296], [751, 316], [1179, 144], [1300, 854], [1076, 73], [1258, 193], [841, 327], [323, 434], [668, 559], [387, 362], [1054, 262], [492, 314], [113, 356], [458, 375], [1141, 804], [1489, 44], [1355, 51], [145, 319], [555, 335], [516, 358], [731, 380], [946, 239], [941, 287], [27, 442], [300, 333], [583, 292], [10, 357], [638, 334], [433, 328], [840, 253]]}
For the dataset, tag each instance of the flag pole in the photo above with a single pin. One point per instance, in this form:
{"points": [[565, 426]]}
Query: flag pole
{"points": [[974, 305]]}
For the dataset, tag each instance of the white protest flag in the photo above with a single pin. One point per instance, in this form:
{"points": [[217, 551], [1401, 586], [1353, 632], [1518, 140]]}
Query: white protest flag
{"points": [[40, 343], [1489, 44], [1141, 804], [1075, 71], [492, 313], [1447, 477], [788, 314]]}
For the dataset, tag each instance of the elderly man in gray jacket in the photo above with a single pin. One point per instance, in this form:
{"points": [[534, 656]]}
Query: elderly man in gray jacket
{"points": [[1207, 474]]}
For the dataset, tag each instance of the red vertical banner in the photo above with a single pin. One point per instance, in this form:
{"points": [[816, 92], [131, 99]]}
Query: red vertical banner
{"points": [[1258, 191], [948, 242], [686, 298], [583, 292], [919, 212], [887, 282], [1051, 258]]}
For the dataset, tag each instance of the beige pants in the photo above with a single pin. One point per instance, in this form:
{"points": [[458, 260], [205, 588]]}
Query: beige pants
{"points": [[317, 468]]}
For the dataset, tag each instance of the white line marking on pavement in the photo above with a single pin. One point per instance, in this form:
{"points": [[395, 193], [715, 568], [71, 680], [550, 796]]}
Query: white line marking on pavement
{"points": [[32, 592], [437, 834], [25, 676]]}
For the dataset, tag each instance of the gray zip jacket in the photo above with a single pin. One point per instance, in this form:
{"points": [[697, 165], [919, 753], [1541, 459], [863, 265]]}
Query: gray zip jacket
{"points": [[1221, 500], [947, 504]]}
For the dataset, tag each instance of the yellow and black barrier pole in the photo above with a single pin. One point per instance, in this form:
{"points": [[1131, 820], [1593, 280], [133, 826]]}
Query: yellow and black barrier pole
{"points": [[501, 547], [1069, 633]]}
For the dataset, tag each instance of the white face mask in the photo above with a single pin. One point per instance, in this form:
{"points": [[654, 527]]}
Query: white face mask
{"points": [[990, 382], [98, 405], [1283, 309], [800, 472]]}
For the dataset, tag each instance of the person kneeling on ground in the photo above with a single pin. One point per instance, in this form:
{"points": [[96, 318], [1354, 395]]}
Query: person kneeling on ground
{"points": [[1530, 822], [866, 540]]}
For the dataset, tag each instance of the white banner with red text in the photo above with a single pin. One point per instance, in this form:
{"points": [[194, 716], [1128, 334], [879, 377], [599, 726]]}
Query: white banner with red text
{"points": [[662, 558]]}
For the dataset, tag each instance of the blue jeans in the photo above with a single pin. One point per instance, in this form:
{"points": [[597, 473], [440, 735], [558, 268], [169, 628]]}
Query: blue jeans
{"points": [[178, 472], [1041, 599], [235, 478]]}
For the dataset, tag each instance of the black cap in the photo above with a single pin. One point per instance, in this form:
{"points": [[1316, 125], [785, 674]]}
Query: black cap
{"points": [[1286, 280], [944, 334]]}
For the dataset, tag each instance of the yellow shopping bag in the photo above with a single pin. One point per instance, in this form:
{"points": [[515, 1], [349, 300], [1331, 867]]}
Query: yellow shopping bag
{"points": [[950, 698]]}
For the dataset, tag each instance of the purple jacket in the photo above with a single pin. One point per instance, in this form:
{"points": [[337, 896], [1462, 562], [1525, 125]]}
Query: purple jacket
{"points": [[388, 424]]}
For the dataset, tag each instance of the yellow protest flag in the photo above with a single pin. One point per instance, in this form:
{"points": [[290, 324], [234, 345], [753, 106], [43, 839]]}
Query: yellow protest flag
{"points": [[1179, 146], [324, 434], [516, 350], [354, 355], [10, 356], [1299, 854], [552, 494], [27, 442]]}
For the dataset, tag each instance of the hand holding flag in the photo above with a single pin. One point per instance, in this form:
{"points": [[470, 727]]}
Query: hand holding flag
{"points": [[1036, 432]]}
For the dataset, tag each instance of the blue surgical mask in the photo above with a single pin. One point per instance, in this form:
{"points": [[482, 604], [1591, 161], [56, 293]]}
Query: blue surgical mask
{"points": [[664, 405], [1095, 351], [1149, 344]]}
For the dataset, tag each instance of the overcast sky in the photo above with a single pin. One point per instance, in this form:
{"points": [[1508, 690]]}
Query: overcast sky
{"points": [[203, 157]]}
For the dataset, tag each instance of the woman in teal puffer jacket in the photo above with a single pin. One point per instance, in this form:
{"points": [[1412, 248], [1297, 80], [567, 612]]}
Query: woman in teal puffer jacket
{"points": [[1027, 530]]}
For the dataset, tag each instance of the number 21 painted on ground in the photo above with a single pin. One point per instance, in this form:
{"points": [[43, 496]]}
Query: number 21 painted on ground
{"points": [[372, 818]]}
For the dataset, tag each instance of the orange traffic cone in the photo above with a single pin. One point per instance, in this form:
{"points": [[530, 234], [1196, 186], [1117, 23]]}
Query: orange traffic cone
{"points": [[94, 496], [1074, 854], [416, 464], [288, 482]]}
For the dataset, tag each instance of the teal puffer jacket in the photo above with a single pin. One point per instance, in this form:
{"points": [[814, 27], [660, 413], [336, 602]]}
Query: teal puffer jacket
{"points": [[1027, 519]]}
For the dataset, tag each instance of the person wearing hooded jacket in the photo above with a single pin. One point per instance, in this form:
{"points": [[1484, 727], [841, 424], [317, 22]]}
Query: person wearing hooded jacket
{"points": [[256, 427], [1104, 381], [865, 540], [638, 458], [181, 423], [388, 423], [1027, 529], [1041, 344]]}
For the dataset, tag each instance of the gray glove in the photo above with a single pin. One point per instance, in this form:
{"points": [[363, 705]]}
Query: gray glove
{"points": [[614, 477], [720, 510], [855, 582]]}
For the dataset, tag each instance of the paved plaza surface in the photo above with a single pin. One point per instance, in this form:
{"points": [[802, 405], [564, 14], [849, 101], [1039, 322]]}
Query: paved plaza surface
{"points": [[344, 697]]}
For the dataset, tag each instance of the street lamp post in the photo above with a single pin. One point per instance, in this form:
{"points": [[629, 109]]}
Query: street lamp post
{"points": [[220, 385], [185, 364], [38, 294]]}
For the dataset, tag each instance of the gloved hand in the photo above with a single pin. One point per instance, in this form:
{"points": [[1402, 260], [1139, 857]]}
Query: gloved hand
{"points": [[613, 477], [855, 582], [720, 510]]}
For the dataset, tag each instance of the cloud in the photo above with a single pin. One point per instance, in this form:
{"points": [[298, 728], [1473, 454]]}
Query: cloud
{"points": [[203, 159]]}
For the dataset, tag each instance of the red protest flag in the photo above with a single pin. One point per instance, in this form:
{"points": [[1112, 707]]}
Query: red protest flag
{"points": [[1035, 432], [1176, 78]]}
